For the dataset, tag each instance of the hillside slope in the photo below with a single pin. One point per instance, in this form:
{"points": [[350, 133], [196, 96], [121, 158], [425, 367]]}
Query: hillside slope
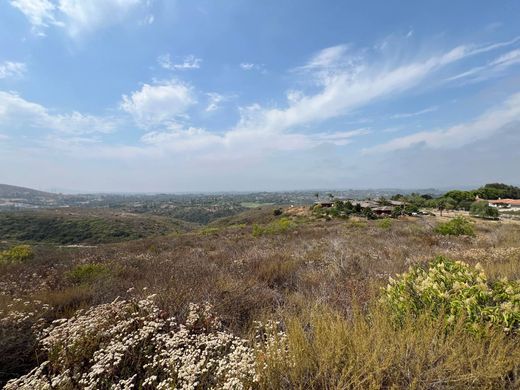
{"points": [[11, 192]]}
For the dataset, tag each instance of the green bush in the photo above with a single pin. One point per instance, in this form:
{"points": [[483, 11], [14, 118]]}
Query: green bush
{"points": [[88, 273], [276, 227], [385, 223], [458, 226], [16, 254], [483, 210], [457, 291]]}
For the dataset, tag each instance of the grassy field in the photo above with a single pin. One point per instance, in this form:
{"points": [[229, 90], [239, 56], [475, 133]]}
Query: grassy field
{"points": [[312, 287]]}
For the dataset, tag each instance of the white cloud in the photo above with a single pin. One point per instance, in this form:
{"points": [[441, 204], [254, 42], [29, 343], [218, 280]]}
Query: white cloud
{"points": [[349, 80], [412, 114], [345, 85], [330, 57], [148, 19], [214, 101], [40, 13], [339, 138], [248, 66], [188, 62], [346, 90], [491, 69], [16, 112], [162, 103], [77, 16], [456, 136], [12, 69]]}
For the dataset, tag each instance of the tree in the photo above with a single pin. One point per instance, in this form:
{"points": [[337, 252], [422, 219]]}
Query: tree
{"points": [[317, 195], [483, 210], [441, 205]]}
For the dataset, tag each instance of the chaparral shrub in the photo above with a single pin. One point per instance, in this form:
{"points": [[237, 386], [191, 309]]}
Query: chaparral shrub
{"points": [[455, 290], [134, 345], [458, 226], [276, 227], [88, 273], [16, 254]]}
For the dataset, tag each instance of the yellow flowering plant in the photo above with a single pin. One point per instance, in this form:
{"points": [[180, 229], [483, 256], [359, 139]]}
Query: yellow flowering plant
{"points": [[455, 290]]}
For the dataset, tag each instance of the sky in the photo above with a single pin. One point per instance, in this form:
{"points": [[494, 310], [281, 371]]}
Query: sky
{"points": [[243, 95]]}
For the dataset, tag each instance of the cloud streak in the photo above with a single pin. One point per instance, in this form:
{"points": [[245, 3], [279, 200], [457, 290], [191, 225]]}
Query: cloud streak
{"points": [[188, 62], [16, 112], [10, 69], [76, 16], [459, 135]]}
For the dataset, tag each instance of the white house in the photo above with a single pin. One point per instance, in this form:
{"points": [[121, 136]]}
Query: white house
{"points": [[505, 203]]}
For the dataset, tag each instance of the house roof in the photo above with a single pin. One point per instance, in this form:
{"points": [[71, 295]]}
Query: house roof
{"points": [[515, 202]]}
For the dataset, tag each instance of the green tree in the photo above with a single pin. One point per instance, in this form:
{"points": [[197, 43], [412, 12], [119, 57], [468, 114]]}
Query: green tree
{"points": [[483, 210]]}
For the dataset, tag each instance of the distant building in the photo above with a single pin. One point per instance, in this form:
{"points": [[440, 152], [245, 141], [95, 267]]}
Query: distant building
{"points": [[505, 203], [383, 210], [324, 204]]}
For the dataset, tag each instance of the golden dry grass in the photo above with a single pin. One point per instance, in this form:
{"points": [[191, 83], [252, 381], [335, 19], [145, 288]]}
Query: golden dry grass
{"points": [[312, 277]]}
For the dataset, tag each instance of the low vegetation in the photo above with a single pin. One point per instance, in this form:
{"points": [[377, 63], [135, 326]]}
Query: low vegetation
{"points": [[458, 226], [267, 301], [455, 291], [16, 254], [276, 227], [483, 210], [82, 227]]}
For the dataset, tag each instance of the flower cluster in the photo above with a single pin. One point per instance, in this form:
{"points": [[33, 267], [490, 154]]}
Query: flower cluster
{"points": [[134, 345], [455, 289], [271, 343]]}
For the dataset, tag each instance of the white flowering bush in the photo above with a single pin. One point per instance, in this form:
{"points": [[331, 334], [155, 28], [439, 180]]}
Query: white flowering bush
{"points": [[134, 345], [455, 289]]}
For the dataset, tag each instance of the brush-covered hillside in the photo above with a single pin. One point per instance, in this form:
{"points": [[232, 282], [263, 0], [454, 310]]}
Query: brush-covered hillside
{"points": [[269, 299]]}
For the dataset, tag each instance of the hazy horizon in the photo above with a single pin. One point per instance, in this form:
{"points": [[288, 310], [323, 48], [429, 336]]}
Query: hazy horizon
{"points": [[157, 96]]}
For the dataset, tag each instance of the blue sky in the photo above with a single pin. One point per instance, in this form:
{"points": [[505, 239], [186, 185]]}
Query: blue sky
{"points": [[166, 95]]}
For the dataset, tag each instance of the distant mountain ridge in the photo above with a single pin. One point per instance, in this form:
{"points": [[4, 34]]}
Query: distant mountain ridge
{"points": [[9, 191]]}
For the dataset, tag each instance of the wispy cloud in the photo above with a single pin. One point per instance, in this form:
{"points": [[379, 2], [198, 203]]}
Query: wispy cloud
{"points": [[76, 16], [416, 113], [249, 66], [12, 69], [188, 62], [215, 99], [17, 112], [39, 13], [491, 69], [482, 127]]}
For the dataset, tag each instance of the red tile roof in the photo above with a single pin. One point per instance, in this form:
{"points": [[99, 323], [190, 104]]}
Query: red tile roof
{"points": [[515, 202]]}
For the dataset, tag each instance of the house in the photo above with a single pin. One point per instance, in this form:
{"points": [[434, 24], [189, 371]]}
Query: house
{"points": [[383, 210], [324, 204], [505, 203]]}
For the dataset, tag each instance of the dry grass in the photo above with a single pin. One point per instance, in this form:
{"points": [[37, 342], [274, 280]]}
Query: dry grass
{"points": [[286, 276], [325, 350]]}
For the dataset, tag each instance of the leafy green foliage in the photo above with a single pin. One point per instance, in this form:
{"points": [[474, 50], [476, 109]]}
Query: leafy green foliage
{"points": [[458, 226], [483, 210], [385, 223], [498, 190], [88, 273], [455, 290], [16, 254]]}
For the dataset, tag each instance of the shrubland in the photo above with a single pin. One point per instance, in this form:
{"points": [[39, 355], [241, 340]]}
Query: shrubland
{"points": [[305, 303]]}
